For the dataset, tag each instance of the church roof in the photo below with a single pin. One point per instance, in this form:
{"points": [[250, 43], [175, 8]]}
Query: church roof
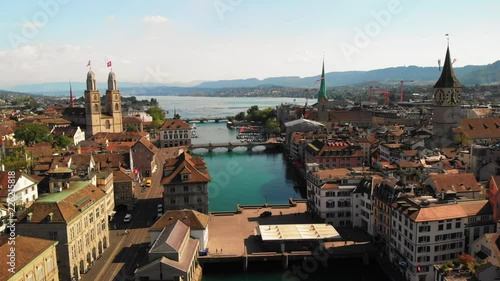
{"points": [[322, 88], [447, 78]]}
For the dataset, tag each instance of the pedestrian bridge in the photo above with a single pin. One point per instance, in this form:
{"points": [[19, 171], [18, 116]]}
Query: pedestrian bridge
{"points": [[269, 146]]}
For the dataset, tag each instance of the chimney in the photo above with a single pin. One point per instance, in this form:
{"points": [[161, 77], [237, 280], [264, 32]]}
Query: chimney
{"points": [[28, 217], [51, 214]]}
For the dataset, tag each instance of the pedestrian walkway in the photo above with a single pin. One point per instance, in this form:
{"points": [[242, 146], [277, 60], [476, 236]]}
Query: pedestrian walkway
{"points": [[387, 267], [115, 236]]}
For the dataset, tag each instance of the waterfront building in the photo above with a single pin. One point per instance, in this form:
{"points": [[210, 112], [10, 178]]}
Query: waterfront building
{"points": [[331, 154], [426, 230], [288, 112], [95, 119], [75, 215], [175, 132], [139, 113], [330, 193], [24, 192], [299, 142], [173, 256], [301, 125], [185, 183], [197, 222], [446, 111], [35, 259]]}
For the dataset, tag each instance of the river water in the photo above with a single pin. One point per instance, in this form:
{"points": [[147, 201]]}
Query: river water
{"points": [[253, 178]]}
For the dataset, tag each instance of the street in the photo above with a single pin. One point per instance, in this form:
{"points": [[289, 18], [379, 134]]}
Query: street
{"points": [[129, 242]]}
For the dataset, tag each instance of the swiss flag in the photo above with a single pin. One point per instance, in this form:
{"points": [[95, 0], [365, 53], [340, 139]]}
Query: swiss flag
{"points": [[109, 64]]}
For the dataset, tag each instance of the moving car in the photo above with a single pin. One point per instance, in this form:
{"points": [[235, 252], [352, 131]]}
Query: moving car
{"points": [[127, 218], [265, 214]]}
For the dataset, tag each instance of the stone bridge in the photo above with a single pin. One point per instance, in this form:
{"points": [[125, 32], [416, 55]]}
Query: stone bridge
{"points": [[270, 146]]}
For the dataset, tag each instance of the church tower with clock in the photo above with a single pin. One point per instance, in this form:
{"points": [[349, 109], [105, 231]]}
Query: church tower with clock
{"points": [[446, 113]]}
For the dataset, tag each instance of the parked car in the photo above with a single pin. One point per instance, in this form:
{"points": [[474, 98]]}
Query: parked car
{"points": [[265, 214], [127, 218]]}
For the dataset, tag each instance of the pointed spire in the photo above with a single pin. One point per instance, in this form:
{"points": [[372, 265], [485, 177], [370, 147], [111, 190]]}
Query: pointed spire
{"points": [[322, 87], [71, 100], [448, 78]]}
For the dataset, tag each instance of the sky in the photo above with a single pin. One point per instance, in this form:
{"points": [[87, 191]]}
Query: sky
{"points": [[184, 41]]}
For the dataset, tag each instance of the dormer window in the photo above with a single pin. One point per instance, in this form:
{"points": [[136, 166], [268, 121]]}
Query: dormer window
{"points": [[185, 177]]}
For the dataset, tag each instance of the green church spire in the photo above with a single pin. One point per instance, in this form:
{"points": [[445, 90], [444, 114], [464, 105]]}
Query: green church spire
{"points": [[322, 87]]}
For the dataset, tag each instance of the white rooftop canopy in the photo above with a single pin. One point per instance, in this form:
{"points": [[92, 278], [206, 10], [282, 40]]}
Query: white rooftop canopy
{"points": [[281, 232]]}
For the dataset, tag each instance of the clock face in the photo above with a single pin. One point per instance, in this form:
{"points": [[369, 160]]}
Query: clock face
{"points": [[439, 96], [454, 96]]}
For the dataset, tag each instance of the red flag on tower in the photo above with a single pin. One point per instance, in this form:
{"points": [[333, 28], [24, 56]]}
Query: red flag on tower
{"points": [[109, 64]]}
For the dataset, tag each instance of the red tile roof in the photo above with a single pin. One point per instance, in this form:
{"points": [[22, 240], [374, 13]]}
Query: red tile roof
{"points": [[175, 124], [197, 170], [27, 249]]}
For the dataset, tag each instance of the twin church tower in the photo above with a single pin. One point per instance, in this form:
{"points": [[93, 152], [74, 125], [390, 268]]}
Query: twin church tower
{"points": [[97, 120]]}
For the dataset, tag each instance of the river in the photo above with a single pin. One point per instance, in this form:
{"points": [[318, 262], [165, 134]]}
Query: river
{"points": [[253, 178]]}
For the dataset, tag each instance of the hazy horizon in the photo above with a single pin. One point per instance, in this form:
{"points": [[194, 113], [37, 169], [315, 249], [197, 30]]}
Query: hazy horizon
{"points": [[169, 42]]}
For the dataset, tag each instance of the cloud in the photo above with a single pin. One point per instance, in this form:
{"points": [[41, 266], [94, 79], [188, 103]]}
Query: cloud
{"points": [[155, 19], [111, 18]]}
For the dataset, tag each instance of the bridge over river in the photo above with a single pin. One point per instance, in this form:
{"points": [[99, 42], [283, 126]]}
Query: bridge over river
{"points": [[206, 119], [269, 146]]}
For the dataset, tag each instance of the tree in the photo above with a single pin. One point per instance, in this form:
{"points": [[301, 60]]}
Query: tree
{"points": [[32, 133], [240, 116], [62, 141], [157, 113], [15, 159], [272, 127], [131, 128]]}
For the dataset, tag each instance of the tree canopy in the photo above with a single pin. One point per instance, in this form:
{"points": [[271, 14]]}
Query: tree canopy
{"points": [[32, 133]]}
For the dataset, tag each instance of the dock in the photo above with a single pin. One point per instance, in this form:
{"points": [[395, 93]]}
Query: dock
{"points": [[234, 238]]}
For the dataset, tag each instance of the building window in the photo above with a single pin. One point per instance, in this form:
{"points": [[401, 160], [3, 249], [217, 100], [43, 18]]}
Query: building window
{"points": [[53, 235], [186, 199], [172, 201], [186, 188]]}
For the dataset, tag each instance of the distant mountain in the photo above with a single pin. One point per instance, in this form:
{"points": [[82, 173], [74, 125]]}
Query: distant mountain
{"points": [[468, 75]]}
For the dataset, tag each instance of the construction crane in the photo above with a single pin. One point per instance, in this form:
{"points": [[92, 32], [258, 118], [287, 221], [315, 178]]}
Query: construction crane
{"points": [[386, 96], [401, 94]]}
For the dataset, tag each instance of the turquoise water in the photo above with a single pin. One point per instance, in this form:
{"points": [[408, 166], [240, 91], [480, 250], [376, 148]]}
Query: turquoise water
{"points": [[249, 178]]}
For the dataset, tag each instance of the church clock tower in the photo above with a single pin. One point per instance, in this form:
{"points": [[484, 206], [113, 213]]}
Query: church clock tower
{"points": [[114, 104], [446, 113], [92, 106]]}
